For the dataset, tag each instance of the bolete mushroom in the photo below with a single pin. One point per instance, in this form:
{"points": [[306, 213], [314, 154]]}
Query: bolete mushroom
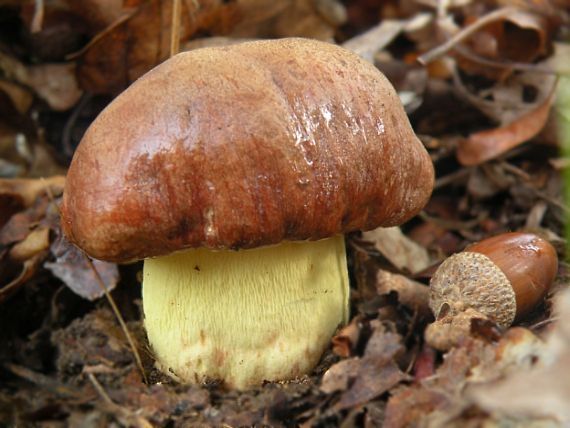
{"points": [[234, 172]]}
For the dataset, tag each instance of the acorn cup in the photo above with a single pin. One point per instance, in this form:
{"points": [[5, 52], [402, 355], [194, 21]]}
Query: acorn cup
{"points": [[499, 279]]}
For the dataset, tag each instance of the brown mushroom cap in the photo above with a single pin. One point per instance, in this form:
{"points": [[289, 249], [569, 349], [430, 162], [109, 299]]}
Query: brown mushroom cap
{"points": [[245, 146]]}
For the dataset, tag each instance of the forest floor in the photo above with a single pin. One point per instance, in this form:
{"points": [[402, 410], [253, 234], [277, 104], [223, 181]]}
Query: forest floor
{"points": [[485, 85]]}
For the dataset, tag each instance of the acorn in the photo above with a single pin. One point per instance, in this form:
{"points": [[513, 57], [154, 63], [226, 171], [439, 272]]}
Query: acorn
{"points": [[499, 279]]}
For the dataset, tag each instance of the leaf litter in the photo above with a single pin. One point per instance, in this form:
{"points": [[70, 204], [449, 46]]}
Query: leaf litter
{"points": [[486, 104]]}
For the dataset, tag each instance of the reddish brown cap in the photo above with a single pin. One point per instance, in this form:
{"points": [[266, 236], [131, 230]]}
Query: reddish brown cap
{"points": [[244, 146]]}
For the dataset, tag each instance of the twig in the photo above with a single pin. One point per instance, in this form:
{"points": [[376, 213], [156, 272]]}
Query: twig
{"points": [[452, 178], [109, 299], [100, 389], [66, 137], [517, 66], [126, 416], [175, 29], [95, 39], [465, 33], [118, 315], [38, 19]]}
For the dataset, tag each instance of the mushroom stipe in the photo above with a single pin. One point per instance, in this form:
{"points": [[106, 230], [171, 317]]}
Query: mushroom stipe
{"points": [[245, 316]]}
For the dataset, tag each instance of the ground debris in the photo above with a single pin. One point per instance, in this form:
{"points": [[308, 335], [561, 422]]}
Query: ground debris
{"points": [[482, 83]]}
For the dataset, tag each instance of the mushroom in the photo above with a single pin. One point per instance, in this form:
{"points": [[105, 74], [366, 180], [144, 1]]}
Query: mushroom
{"points": [[234, 172]]}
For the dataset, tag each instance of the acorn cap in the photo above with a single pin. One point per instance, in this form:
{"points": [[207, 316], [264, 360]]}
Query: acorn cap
{"points": [[471, 280], [245, 146]]}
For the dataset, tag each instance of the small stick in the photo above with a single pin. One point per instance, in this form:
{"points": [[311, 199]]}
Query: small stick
{"points": [[175, 29], [118, 315], [38, 19], [465, 33], [100, 389]]}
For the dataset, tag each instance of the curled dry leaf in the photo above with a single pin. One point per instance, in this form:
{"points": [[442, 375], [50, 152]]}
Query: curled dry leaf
{"points": [[486, 145], [544, 366], [20, 97], [519, 37], [339, 376], [136, 42], [36, 242], [346, 340], [363, 379], [368, 44], [377, 371], [411, 294], [29, 268], [19, 193], [72, 267], [401, 251], [56, 84]]}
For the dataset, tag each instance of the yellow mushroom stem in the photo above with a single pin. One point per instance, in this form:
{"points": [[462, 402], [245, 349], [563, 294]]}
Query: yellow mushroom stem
{"points": [[245, 316]]}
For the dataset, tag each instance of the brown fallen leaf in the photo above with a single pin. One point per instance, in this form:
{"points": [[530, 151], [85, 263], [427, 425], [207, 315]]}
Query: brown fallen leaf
{"points": [[544, 365], [20, 193], [29, 269], [136, 42], [71, 266], [20, 97], [401, 251], [519, 37], [377, 372], [346, 340], [131, 46], [486, 145], [409, 405], [36, 242], [56, 84], [339, 376], [411, 294]]}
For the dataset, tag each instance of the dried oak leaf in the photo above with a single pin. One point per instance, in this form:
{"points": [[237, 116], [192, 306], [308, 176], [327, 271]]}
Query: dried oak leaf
{"points": [[489, 144], [411, 294], [131, 46], [364, 379], [135, 43], [544, 366], [20, 193], [401, 251], [72, 267], [56, 84], [520, 37]]}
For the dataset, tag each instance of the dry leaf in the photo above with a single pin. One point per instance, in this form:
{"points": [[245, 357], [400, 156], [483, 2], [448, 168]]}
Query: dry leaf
{"points": [[29, 269], [374, 40], [486, 145], [19, 193], [532, 362], [133, 45], [56, 84], [21, 98], [521, 37], [339, 376], [72, 268], [377, 371], [401, 251], [36, 242], [346, 340], [411, 294]]}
